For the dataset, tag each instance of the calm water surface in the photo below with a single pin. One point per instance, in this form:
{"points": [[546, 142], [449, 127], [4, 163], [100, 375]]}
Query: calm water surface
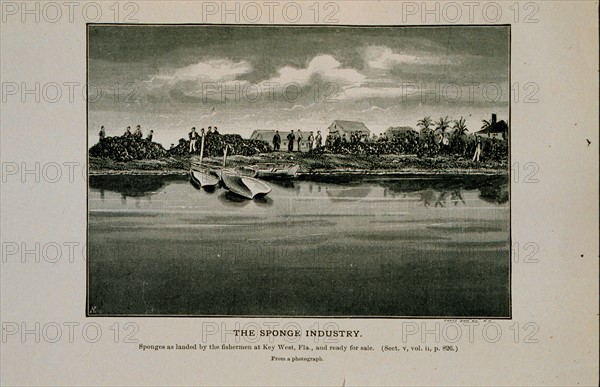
{"points": [[405, 246]]}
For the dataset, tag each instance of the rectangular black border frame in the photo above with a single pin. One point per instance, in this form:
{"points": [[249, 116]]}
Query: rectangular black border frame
{"points": [[510, 306]]}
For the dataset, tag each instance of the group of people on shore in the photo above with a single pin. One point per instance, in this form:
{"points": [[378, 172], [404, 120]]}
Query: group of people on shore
{"points": [[313, 142], [410, 142], [195, 136], [136, 135]]}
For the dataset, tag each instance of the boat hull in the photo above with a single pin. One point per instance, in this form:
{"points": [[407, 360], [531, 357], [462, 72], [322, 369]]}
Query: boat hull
{"points": [[244, 186], [203, 177], [273, 171]]}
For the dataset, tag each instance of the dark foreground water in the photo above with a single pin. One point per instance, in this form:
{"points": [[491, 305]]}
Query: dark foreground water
{"points": [[405, 246]]}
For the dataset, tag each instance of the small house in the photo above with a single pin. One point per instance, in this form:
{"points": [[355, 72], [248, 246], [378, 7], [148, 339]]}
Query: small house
{"points": [[496, 129], [345, 129]]}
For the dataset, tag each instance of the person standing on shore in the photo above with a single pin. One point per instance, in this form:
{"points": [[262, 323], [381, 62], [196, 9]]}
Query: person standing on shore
{"points": [[276, 141], [193, 138], [127, 132], [319, 139], [102, 133], [445, 144], [138, 132], [477, 149], [149, 138], [291, 137], [215, 131], [299, 140], [311, 141]]}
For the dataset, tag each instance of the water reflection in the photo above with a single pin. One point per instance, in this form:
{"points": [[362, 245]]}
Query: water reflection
{"points": [[233, 200], [435, 191], [131, 185], [495, 194], [264, 201], [430, 192], [208, 189], [456, 196], [348, 194], [284, 183]]}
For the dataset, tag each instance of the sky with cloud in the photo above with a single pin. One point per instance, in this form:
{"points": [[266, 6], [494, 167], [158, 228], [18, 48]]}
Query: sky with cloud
{"points": [[241, 78]]}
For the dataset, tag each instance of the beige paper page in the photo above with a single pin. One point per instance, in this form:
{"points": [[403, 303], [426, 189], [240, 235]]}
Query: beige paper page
{"points": [[318, 193]]}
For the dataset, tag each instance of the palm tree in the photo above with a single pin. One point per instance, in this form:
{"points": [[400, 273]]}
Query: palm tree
{"points": [[425, 123], [460, 131], [460, 127], [443, 123]]}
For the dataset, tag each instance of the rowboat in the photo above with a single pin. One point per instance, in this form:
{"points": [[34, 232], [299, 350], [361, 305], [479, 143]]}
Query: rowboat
{"points": [[244, 186], [203, 177], [244, 171], [272, 170], [239, 183]]}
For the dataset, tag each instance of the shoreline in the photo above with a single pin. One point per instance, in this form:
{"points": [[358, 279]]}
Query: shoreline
{"points": [[301, 175], [311, 166]]}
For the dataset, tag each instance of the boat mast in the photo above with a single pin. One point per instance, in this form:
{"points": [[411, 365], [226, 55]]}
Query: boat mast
{"points": [[202, 148], [225, 154]]}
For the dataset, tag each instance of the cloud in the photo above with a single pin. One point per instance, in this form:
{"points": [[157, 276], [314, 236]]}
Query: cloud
{"points": [[220, 80], [405, 91], [300, 107], [192, 82], [375, 107], [215, 70], [383, 58], [217, 79], [324, 66], [371, 92], [208, 115], [295, 107]]}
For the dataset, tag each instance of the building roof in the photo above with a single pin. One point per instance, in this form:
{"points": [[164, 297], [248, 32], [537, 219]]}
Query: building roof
{"points": [[489, 130], [349, 126], [500, 127], [266, 134]]}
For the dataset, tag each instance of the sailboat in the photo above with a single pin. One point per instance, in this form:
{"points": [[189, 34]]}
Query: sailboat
{"points": [[244, 186], [201, 175]]}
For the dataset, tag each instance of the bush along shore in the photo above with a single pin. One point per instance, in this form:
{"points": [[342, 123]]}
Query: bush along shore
{"points": [[411, 154], [131, 148]]}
